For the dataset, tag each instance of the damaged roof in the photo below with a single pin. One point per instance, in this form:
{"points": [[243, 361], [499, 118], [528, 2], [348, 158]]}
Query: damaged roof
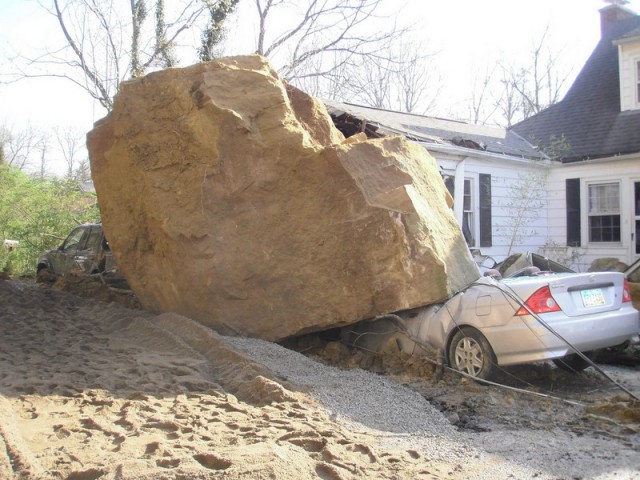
{"points": [[589, 116], [376, 122]]}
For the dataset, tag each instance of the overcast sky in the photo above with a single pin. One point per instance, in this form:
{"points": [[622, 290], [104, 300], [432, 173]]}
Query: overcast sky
{"points": [[467, 34]]}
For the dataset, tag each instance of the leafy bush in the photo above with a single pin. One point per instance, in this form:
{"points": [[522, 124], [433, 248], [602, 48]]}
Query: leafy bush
{"points": [[39, 213]]}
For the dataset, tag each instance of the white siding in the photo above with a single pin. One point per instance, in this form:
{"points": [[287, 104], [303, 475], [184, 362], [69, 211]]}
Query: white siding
{"points": [[629, 55], [625, 171], [547, 233], [506, 174]]}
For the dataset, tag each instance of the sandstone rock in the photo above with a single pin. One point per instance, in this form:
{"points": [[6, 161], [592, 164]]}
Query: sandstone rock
{"points": [[607, 264], [231, 198]]}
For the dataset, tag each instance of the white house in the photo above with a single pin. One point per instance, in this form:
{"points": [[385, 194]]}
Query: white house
{"points": [[583, 207], [594, 194]]}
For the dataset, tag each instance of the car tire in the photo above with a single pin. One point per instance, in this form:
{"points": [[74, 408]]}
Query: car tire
{"points": [[45, 275], [470, 352], [574, 362]]}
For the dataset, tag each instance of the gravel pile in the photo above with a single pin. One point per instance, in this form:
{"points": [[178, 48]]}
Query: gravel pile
{"points": [[350, 395], [357, 398]]}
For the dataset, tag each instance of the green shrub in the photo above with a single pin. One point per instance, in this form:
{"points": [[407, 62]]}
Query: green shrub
{"points": [[39, 213]]}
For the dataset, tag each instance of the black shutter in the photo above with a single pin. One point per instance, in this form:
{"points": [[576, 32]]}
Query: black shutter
{"points": [[572, 190], [485, 210]]}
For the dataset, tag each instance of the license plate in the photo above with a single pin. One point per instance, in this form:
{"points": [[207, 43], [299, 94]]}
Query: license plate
{"points": [[592, 298]]}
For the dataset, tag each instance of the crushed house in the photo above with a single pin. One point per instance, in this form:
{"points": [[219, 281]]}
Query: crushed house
{"points": [[482, 168]]}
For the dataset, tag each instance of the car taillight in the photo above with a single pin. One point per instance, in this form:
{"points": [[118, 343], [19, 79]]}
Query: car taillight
{"points": [[540, 302], [626, 293]]}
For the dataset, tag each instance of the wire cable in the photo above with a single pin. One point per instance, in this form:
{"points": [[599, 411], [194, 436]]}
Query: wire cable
{"points": [[402, 330], [509, 292]]}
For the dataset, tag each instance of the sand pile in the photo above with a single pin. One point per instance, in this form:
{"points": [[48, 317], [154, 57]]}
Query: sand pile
{"points": [[96, 391], [91, 390]]}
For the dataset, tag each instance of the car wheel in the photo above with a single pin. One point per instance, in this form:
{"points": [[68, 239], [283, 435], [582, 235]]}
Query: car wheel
{"points": [[470, 352], [573, 362], [45, 275]]}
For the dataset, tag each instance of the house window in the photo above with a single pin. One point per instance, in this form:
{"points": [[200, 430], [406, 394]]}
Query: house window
{"points": [[604, 212], [476, 209], [468, 223]]}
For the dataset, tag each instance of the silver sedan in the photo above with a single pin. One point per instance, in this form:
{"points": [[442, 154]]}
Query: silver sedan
{"points": [[529, 317]]}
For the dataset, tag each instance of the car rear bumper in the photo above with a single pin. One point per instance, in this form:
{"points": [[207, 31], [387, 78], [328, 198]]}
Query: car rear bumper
{"points": [[526, 340]]}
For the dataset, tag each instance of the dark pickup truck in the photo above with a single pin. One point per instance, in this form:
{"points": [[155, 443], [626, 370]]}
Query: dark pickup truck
{"points": [[85, 250]]}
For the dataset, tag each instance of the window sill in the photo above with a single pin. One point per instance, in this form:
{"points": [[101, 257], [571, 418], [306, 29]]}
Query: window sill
{"points": [[606, 244]]}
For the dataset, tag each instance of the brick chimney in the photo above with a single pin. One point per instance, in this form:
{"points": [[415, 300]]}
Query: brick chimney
{"points": [[612, 13]]}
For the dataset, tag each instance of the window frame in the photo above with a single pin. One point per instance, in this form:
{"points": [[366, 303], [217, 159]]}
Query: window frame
{"points": [[603, 214], [68, 245], [469, 214]]}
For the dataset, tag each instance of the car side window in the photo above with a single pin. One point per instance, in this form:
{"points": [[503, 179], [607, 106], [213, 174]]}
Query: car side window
{"points": [[74, 239], [93, 240]]}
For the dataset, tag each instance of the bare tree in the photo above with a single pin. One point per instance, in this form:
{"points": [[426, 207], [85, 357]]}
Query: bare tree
{"points": [[82, 171], [401, 78], [480, 104], [42, 167], [509, 106], [541, 83], [103, 45], [94, 51], [327, 86], [527, 195], [511, 93], [21, 147], [70, 144], [318, 30], [418, 84], [326, 48], [3, 140], [370, 82], [402, 81]]}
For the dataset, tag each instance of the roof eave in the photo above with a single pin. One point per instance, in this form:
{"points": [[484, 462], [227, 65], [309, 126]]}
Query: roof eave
{"points": [[468, 152], [626, 40], [602, 157]]}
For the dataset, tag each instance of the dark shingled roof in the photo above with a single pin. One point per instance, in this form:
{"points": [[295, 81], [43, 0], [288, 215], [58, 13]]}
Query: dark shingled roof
{"points": [[589, 116], [350, 119]]}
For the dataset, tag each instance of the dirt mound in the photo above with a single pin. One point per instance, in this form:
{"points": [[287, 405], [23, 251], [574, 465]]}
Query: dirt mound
{"points": [[91, 286]]}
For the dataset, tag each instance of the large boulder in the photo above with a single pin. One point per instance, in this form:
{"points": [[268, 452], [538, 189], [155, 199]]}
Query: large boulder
{"points": [[230, 197]]}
